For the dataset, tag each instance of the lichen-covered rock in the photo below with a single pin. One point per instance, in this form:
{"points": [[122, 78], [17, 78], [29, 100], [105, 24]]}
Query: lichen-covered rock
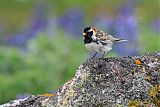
{"points": [[31, 101], [111, 82]]}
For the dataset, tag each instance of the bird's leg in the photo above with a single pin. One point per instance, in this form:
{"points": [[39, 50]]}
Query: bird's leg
{"points": [[94, 55], [103, 54]]}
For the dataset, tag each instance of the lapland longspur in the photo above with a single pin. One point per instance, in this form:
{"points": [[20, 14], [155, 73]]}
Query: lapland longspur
{"points": [[98, 41]]}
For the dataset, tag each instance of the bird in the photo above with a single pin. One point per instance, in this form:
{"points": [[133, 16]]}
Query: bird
{"points": [[99, 41]]}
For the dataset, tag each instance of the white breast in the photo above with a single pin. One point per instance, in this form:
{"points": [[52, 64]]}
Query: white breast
{"points": [[99, 47]]}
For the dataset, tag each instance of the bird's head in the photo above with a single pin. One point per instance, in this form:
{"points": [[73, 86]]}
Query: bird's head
{"points": [[89, 31]]}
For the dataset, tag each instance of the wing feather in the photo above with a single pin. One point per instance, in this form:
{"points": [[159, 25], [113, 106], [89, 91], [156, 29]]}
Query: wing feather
{"points": [[102, 36]]}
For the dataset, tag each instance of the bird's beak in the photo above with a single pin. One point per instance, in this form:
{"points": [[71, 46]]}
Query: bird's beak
{"points": [[84, 34]]}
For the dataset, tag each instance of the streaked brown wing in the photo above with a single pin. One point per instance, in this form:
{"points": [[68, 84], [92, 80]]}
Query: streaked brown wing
{"points": [[102, 36], [105, 37]]}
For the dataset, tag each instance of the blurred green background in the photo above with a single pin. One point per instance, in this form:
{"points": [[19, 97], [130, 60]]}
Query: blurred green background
{"points": [[41, 42]]}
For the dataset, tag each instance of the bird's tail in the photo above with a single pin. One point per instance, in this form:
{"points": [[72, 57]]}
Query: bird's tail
{"points": [[120, 40]]}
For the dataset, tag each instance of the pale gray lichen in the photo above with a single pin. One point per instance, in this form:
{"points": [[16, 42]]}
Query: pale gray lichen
{"points": [[112, 81]]}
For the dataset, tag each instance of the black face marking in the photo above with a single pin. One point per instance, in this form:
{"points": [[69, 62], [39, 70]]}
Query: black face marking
{"points": [[86, 29], [88, 38]]}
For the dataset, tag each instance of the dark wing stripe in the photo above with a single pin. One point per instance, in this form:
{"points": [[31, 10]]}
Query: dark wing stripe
{"points": [[103, 43], [96, 41]]}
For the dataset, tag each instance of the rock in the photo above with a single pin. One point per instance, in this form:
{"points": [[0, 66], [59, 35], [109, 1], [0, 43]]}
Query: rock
{"points": [[108, 82]]}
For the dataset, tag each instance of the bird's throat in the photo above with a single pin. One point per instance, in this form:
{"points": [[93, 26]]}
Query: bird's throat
{"points": [[87, 40]]}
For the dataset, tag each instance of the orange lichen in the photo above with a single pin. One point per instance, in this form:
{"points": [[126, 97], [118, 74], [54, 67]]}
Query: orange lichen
{"points": [[137, 62], [47, 95]]}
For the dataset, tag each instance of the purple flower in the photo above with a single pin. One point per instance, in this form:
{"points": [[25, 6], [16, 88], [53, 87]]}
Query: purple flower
{"points": [[126, 27], [38, 23], [104, 23], [51, 27], [155, 26], [71, 22]]}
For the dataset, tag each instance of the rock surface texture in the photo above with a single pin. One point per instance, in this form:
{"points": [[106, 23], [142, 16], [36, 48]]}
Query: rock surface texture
{"points": [[132, 81]]}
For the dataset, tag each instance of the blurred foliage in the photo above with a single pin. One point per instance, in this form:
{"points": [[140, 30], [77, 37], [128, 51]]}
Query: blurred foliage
{"points": [[149, 41], [46, 64]]}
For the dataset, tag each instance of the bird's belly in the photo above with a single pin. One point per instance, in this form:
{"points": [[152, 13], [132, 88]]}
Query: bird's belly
{"points": [[98, 47]]}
